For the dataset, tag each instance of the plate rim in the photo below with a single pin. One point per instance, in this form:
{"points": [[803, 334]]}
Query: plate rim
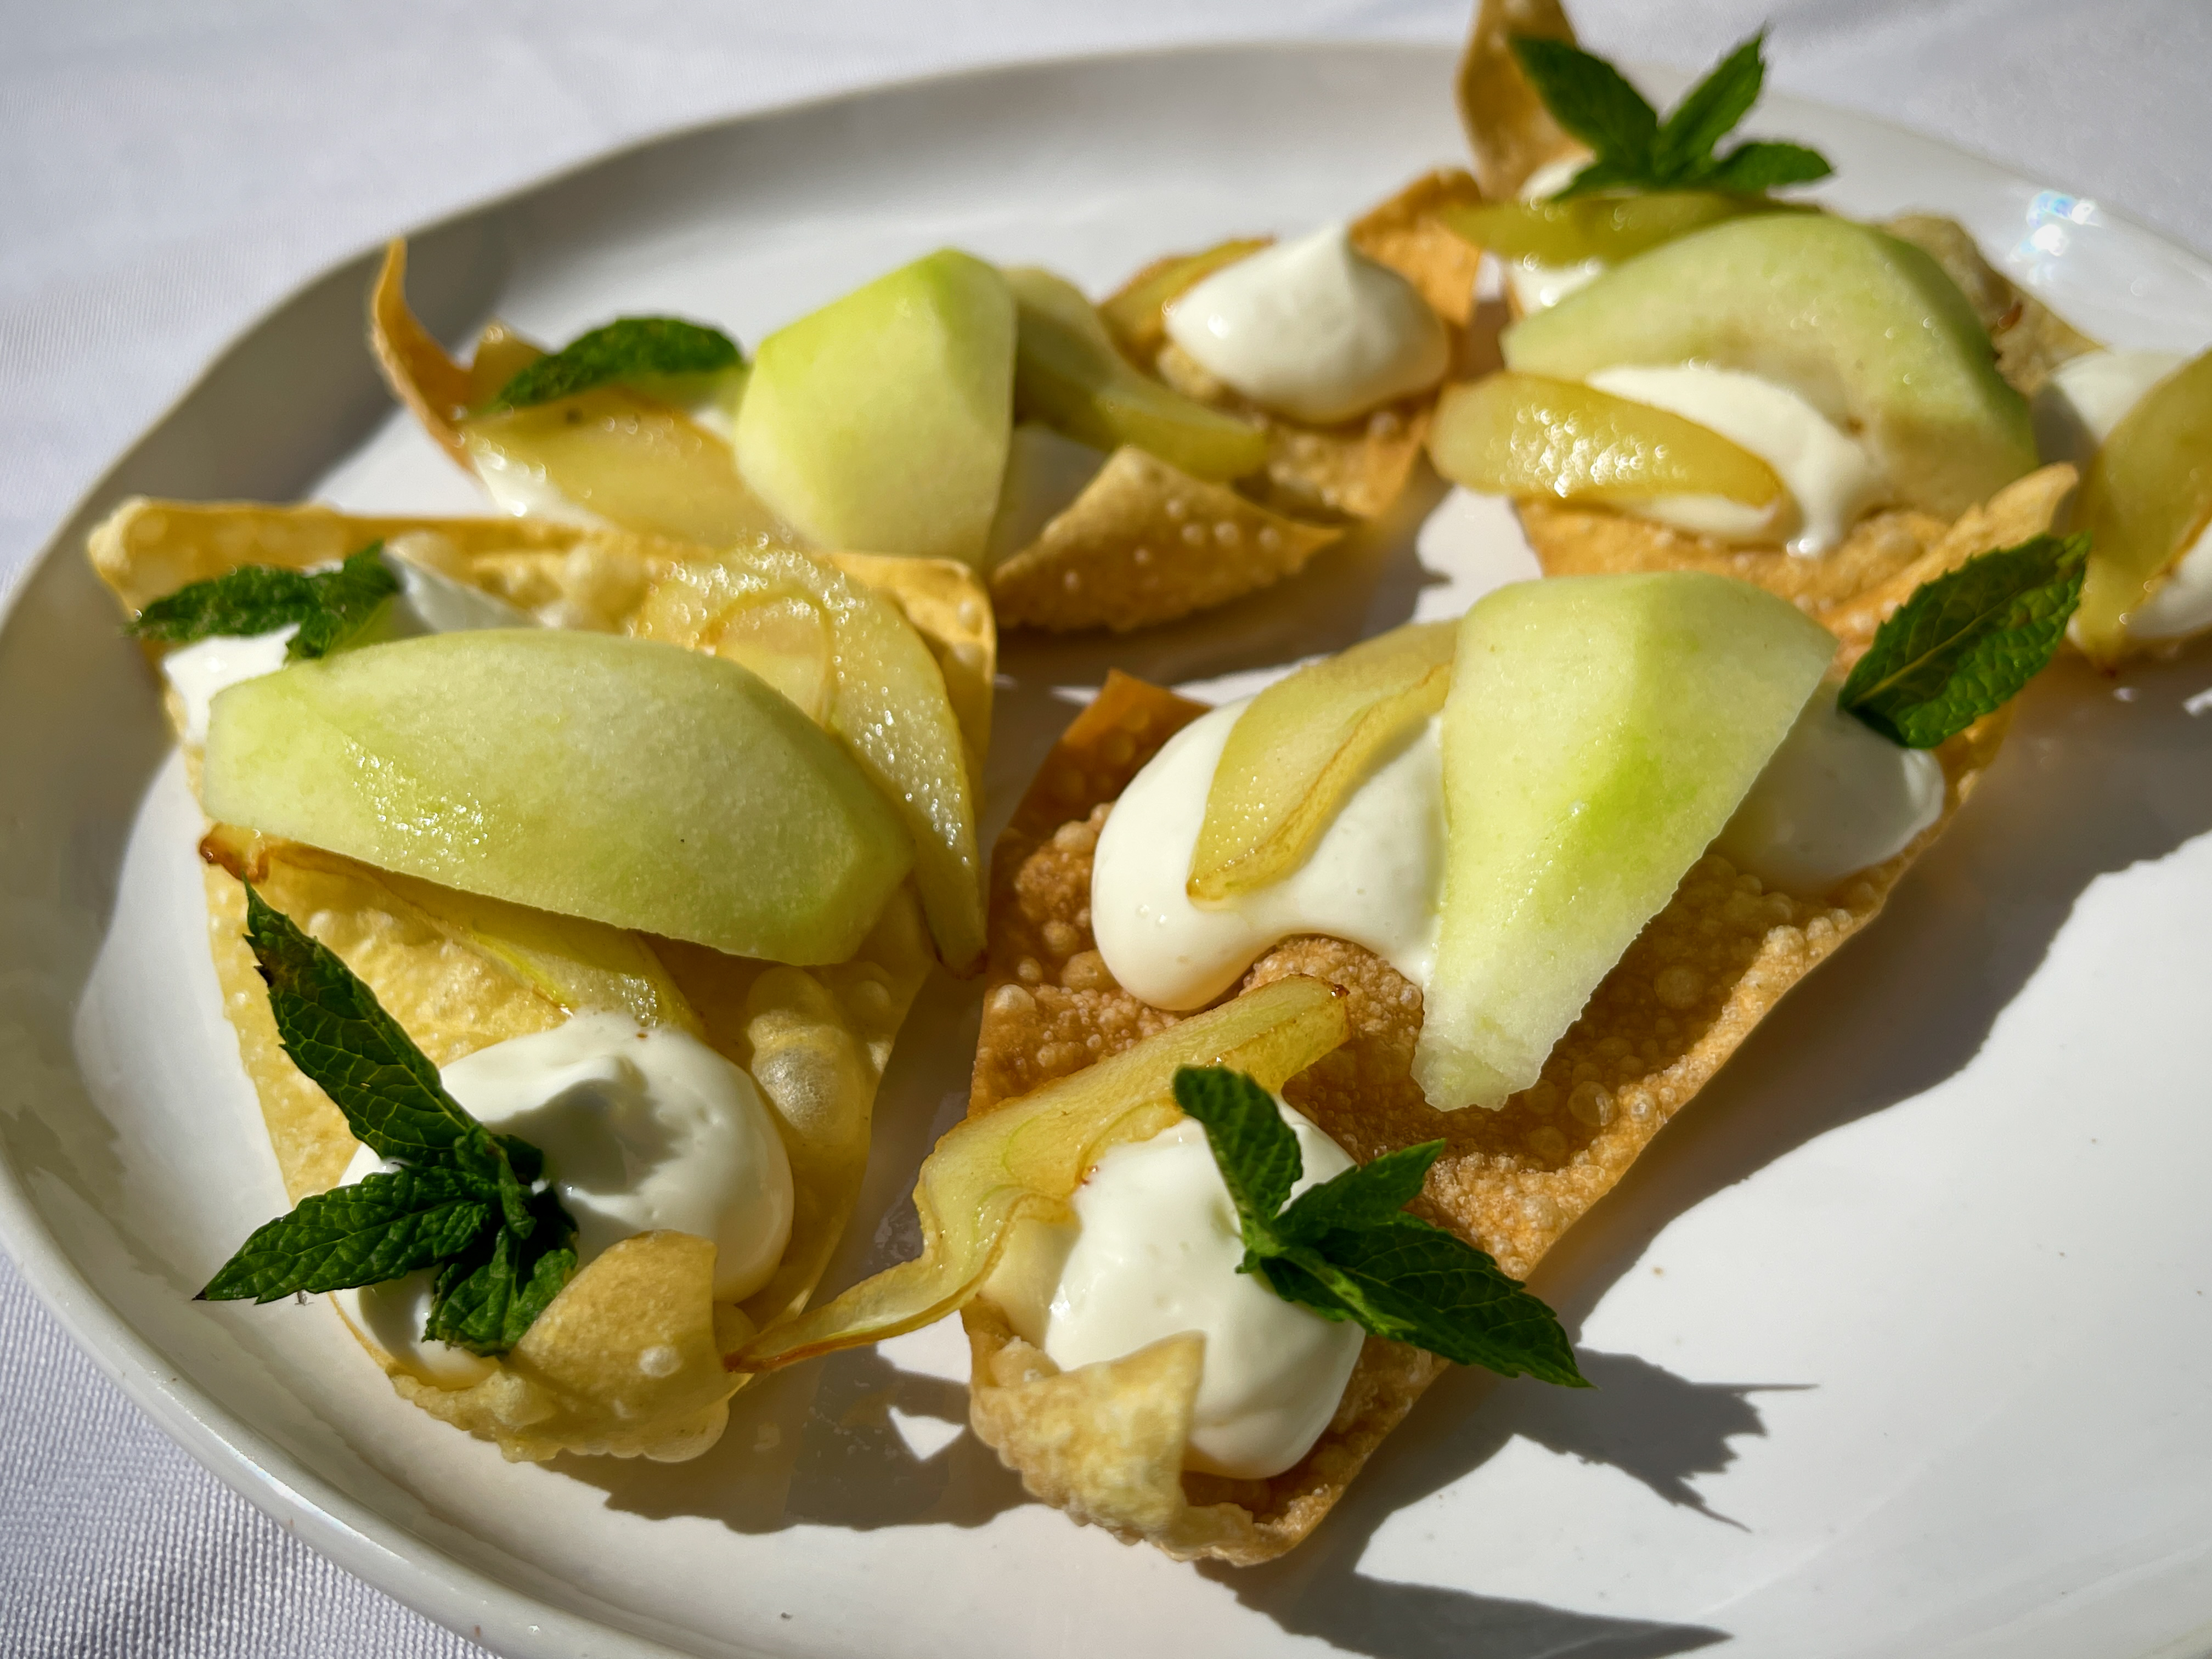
{"points": [[467, 1600]]}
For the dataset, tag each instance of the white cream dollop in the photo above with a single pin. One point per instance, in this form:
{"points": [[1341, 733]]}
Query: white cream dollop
{"points": [[430, 601], [1374, 877], [1314, 329], [197, 671], [1831, 477], [1153, 1253], [643, 1130], [1838, 796]]}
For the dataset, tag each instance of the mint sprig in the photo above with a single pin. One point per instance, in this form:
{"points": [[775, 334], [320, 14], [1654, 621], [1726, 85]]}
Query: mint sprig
{"points": [[1634, 150], [629, 351], [462, 1201], [1966, 643], [1347, 1249], [329, 607]]}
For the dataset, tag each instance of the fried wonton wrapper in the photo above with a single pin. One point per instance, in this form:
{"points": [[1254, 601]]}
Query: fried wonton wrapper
{"points": [[627, 1360], [1102, 1443], [1134, 549], [1851, 590], [608, 455], [2031, 339], [1509, 131], [1146, 543]]}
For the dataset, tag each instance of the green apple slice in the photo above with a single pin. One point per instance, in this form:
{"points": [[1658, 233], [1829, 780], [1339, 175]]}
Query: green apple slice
{"points": [[1866, 328], [629, 782], [2148, 497], [1304, 744], [625, 459], [1068, 373], [878, 424], [847, 656], [1608, 227], [1528, 435], [1600, 732]]}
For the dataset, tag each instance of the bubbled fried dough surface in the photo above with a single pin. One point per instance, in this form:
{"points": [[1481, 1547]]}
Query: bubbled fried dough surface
{"points": [[1684, 996]]}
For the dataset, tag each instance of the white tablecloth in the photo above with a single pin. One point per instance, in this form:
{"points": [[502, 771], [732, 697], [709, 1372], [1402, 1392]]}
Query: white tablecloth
{"points": [[171, 170]]}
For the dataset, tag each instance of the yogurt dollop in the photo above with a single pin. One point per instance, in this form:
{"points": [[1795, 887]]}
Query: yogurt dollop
{"points": [[1313, 328], [1374, 877], [1838, 796], [1831, 477], [642, 1130], [430, 601], [1152, 1254]]}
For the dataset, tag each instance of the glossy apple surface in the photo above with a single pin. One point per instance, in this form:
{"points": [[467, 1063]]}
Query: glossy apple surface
{"points": [[1600, 732], [629, 782], [2147, 499], [847, 657], [1304, 745], [1069, 374], [1529, 434], [1866, 328], [878, 424]]}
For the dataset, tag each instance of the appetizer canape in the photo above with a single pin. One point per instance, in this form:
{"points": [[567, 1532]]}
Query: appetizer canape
{"points": [[564, 959], [1552, 862], [1704, 375]]}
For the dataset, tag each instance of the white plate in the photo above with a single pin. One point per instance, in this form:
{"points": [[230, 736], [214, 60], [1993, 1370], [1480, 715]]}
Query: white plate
{"points": [[1901, 1336]]}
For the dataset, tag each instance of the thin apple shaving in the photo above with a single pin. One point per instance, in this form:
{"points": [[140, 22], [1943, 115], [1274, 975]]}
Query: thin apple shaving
{"points": [[1687, 993], [1024, 1160], [1304, 745], [849, 658]]}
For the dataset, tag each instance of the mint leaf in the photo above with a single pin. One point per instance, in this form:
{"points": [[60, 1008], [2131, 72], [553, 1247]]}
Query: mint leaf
{"points": [[1258, 1152], [348, 599], [1590, 99], [1634, 151], [484, 1301], [329, 607], [1966, 643], [1755, 168], [382, 1226], [338, 1034], [1710, 111], [1347, 1249], [1371, 1194], [1416, 1284], [463, 1201], [628, 350]]}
